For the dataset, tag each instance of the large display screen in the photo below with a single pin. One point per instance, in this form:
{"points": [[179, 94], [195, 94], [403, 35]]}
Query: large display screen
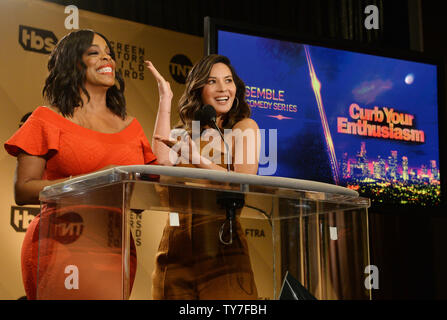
{"points": [[363, 121]]}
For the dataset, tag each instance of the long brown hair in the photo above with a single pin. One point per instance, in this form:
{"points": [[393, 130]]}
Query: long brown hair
{"points": [[191, 99]]}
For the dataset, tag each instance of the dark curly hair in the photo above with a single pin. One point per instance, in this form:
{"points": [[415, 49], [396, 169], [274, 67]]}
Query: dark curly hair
{"points": [[67, 75], [191, 99]]}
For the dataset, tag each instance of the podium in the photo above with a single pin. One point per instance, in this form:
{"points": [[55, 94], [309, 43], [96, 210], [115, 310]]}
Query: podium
{"points": [[101, 236]]}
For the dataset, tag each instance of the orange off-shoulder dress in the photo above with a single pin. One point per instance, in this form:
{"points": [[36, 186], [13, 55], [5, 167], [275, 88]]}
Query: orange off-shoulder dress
{"points": [[73, 150]]}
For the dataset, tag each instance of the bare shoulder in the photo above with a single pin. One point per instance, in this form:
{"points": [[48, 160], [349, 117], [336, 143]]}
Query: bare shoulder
{"points": [[246, 123]]}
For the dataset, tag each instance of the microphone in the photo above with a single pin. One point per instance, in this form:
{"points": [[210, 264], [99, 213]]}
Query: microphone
{"points": [[228, 201], [207, 116]]}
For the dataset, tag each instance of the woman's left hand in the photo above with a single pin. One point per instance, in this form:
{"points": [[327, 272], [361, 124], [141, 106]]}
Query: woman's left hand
{"points": [[164, 88], [185, 148]]}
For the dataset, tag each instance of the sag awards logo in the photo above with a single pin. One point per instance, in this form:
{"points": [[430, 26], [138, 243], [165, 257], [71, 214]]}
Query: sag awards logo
{"points": [[179, 67], [136, 225], [36, 40], [129, 60]]}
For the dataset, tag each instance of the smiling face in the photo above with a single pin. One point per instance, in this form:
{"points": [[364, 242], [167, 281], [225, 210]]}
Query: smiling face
{"points": [[100, 69], [220, 89]]}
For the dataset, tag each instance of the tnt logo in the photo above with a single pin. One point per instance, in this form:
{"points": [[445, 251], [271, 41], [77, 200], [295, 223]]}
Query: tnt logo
{"points": [[21, 217], [68, 227], [36, 40], [179, 67]]}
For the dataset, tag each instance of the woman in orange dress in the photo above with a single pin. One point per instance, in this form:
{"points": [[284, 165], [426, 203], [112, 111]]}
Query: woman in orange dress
{"points": [[84, 128]]}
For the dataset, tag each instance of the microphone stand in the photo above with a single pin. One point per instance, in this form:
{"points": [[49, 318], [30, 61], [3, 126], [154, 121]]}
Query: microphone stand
{"points": [[228, 201], [227, 148]]}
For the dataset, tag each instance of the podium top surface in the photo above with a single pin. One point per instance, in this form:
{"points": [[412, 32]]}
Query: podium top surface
{"points": [[201, 178]]}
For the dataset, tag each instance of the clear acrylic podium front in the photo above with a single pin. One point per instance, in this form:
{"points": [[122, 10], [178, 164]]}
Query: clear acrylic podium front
{"points": [[100, 233]]}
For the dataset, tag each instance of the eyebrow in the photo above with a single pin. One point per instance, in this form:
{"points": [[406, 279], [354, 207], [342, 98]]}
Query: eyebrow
{"points": [[229, 76], [97, 46]]}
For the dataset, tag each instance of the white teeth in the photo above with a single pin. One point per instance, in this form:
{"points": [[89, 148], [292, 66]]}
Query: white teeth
{"points": [[105, 70], [222, 99]]}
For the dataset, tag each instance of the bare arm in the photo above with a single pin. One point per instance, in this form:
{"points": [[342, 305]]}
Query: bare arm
{"points": [[192, 155], [28, 179], [246, 148], [163, 121], [28, 182], [247, 142]]}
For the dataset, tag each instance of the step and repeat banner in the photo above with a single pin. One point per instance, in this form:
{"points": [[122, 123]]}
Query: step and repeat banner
{"points": [[29, 30]]}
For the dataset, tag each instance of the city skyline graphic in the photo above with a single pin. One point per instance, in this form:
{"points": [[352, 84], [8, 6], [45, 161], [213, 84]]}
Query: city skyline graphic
{"points": [[391, 178]]}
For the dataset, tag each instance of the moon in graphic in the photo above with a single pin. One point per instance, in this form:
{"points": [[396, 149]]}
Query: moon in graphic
{"points": [[409, 78]]}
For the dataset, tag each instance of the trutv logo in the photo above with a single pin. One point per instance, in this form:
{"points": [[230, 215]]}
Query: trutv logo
{"points": [[36, 40]]}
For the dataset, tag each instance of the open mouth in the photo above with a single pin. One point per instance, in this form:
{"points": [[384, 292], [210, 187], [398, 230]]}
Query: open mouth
{"points": [[222, 99], [105, 70]]}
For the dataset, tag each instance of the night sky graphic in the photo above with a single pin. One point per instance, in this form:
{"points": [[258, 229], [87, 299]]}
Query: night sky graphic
{"points": [[385, 170]]}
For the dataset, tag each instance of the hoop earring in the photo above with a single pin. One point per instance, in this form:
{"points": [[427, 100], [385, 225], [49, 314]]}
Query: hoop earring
{"points": [[237, 104]]}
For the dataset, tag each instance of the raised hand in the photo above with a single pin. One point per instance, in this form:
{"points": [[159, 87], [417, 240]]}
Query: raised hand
{"points": [[164, 88], [162, 126]]}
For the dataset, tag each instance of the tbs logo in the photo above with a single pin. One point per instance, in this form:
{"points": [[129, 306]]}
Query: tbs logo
{"points": [[36, 40], [21, 217]]}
